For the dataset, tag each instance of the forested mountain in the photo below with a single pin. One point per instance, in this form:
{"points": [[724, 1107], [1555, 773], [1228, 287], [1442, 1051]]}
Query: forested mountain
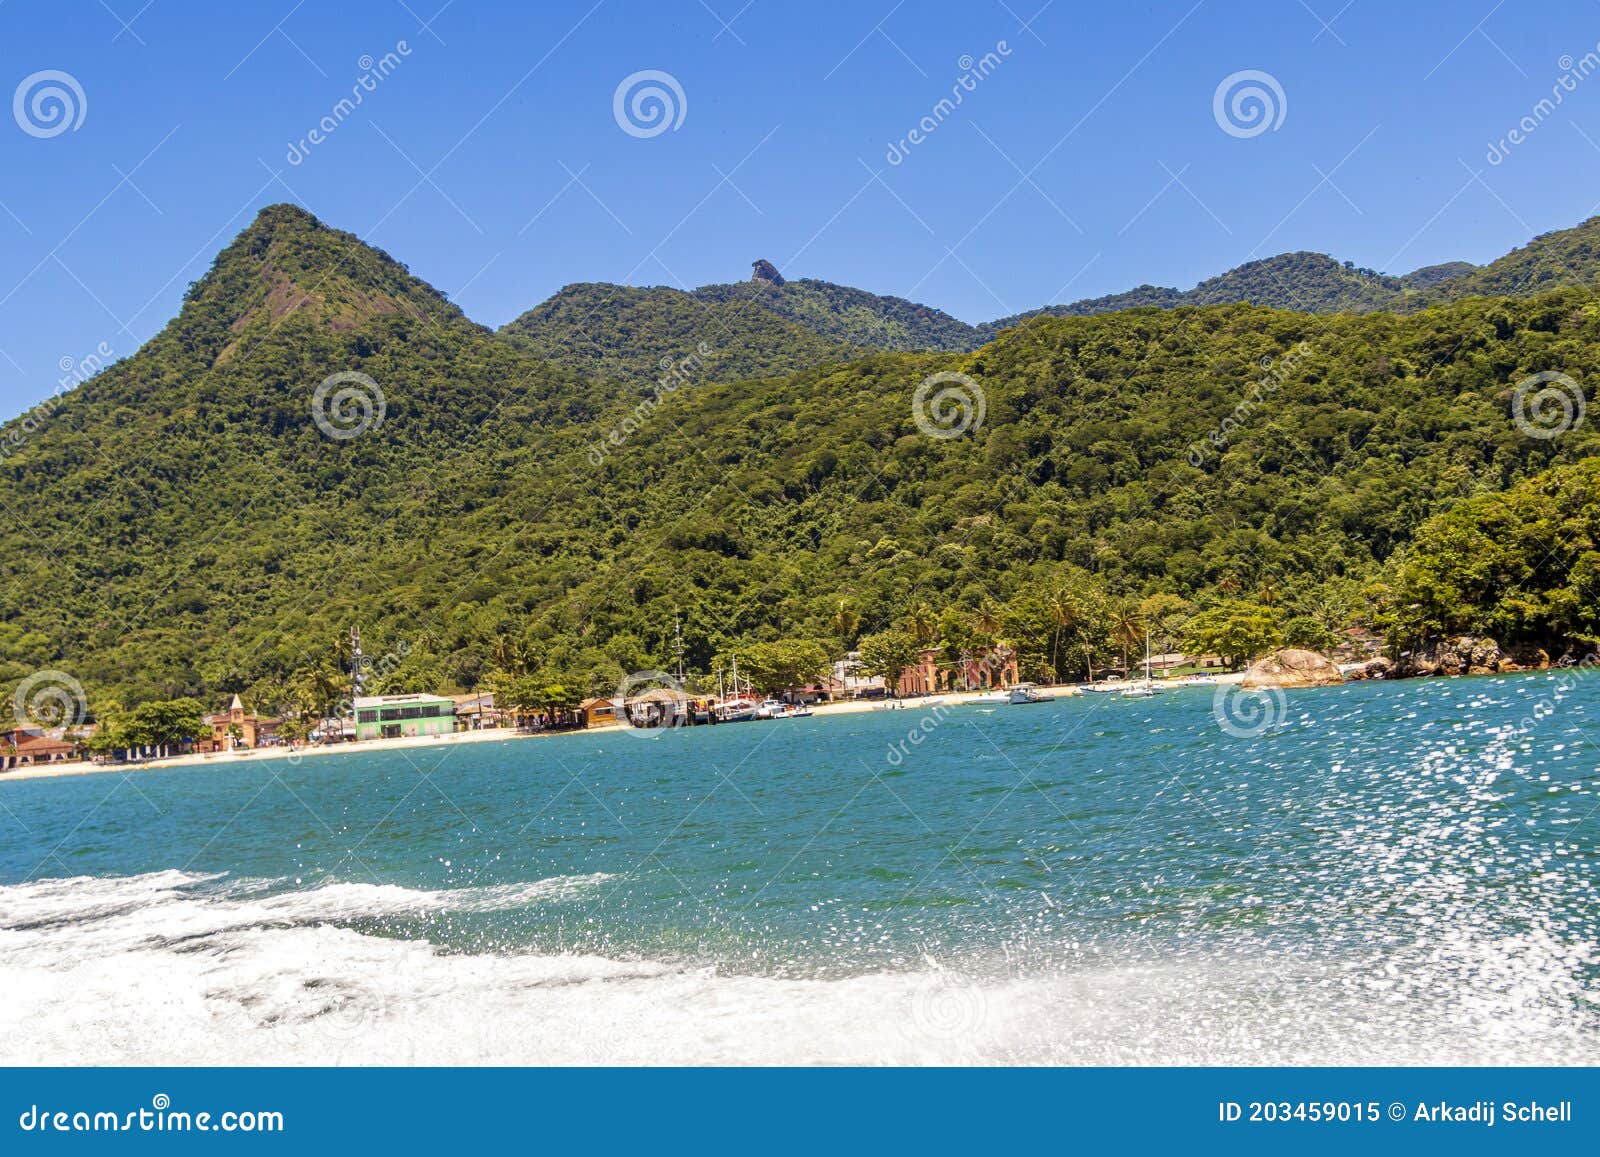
{"points": [[849, 315], [1308, 282], [1430, 275], [1550, 261], [182, 523], [769, 325], [753, 328], [627, 334]]}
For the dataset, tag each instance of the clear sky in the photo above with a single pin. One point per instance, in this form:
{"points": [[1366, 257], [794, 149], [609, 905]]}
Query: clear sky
{"points": [[1088, 159]]}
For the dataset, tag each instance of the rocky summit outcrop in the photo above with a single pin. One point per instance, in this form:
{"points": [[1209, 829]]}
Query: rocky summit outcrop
{"points": [[1292, 668], [764, 270]]}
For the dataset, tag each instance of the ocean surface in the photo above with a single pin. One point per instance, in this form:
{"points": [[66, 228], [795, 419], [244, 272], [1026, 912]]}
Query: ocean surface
{"points": [[1375, 873]]}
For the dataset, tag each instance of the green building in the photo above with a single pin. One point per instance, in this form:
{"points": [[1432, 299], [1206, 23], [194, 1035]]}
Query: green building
{"points": [[391, 716]]}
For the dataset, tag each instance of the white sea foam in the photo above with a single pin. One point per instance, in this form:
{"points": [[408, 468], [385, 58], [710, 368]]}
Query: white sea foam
{"points": [[169, 968]]}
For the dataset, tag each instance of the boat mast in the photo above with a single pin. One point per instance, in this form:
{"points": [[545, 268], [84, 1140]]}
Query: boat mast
{"points": [[677, 643]]}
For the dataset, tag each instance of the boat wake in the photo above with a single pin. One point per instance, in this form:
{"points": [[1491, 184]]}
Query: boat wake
{"points": [[175, 968]]}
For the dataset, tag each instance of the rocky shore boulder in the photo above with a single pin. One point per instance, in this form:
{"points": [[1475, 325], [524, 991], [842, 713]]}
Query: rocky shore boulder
{"points": [[1379, 668], [1292, 668], [1469, 655]]}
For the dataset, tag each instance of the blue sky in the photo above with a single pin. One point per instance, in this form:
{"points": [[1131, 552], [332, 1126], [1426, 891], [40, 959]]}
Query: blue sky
{"points": [[1088, 160]]}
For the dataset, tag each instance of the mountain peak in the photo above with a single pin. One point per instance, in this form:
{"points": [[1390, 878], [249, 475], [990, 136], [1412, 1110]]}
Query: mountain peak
{"points": [[287, 262], [763, 270]]}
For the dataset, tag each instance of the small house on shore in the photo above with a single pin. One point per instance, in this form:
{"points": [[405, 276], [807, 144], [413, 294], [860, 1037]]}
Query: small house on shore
{"points": [[24, 746], [597, 712], [478, 711]]}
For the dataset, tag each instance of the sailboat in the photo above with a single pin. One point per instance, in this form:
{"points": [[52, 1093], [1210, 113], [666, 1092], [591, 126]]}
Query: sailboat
{"points": [[740, 706], [1145, 690]]}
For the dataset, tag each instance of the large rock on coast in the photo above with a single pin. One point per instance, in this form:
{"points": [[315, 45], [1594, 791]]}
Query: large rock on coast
{"points": [[1292, 668], [1468, 655], [1378, 668]]}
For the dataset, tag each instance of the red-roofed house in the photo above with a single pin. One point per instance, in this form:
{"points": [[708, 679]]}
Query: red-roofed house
{"points": [[24, 746]]}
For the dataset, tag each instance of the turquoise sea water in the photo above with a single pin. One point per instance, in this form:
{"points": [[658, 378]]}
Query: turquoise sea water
{"points": [[1385, 873]]}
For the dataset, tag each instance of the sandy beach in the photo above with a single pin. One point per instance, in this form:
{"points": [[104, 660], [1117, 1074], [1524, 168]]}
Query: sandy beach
{"points": [[487, 735]]}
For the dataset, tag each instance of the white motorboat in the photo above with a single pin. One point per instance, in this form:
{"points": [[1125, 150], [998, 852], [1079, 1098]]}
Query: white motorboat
{"points": [[1106, 686], [1027, 693]]}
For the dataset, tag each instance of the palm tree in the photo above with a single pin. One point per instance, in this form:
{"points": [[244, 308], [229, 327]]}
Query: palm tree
{"points": [[846, 622], [507, 654], [1127, 625], [1065, 615], [986, 622], [923, 623], [316, 691]]}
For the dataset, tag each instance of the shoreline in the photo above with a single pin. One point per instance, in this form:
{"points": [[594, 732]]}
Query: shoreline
{"points": [[488, 735]]}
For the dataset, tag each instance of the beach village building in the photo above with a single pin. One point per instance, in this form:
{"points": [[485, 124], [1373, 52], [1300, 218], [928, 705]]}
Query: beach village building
{"points": [[477, 711], [393, 716], [24, 746], [237, 728], [994, 669]]}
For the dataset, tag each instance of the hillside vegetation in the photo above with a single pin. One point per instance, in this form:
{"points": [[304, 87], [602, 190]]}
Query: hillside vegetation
{"points": [[180, 525]]}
